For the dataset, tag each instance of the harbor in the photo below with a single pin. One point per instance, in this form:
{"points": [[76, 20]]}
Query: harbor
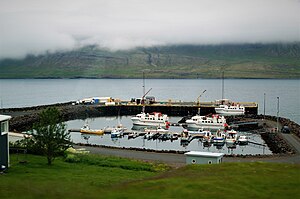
{"points": [[169, 140]]}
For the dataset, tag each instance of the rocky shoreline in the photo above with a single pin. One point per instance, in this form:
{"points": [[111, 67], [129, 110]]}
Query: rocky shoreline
{"points": [[24, 118]]}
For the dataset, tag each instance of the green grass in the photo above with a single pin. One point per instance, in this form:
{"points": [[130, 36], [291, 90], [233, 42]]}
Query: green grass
{"points": [[86, 179], [36, 179]]}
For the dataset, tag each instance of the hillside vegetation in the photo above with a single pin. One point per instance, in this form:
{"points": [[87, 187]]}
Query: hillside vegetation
{"points": [[183, 61]]}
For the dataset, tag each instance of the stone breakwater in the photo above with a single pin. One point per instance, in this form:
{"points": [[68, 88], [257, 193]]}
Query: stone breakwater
{"points": [[294, 127], [24, 118]]}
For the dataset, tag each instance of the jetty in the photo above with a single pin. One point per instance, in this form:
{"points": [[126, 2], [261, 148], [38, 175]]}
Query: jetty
{"points": [[167, 107], [23, 118]]}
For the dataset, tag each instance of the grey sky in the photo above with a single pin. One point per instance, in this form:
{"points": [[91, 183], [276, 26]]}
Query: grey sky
{"points": [[37, 26]]}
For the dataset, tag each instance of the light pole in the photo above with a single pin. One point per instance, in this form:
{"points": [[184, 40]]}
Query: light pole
{"points": [[277, 114], [198, 101], [264, 105]]}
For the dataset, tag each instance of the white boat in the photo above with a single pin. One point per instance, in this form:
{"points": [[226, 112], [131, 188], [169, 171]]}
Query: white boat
{"points": [[231, 137], [207, 136], [116, 133], [215, 122], [151, 119], [200, 133], [243, 140], [157, 130], [219, 137], [230, 109]]}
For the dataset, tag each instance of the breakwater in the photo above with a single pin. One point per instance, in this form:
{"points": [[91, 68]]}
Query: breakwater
{"points": [[23, 118]]}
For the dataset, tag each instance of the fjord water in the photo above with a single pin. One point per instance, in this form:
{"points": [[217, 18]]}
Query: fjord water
{"points": [[32, 92]]}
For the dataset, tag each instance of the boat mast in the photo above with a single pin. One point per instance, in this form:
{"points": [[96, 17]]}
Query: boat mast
{"points": [[143, 100], [143, 83], [222, 86]]}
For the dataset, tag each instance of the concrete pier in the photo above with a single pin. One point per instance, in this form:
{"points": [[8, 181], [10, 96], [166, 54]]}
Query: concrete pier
{"points": [[23, 118], [172, 109]]}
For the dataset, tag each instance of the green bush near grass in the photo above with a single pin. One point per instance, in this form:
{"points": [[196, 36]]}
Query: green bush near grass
{"points": [[110, 161]]}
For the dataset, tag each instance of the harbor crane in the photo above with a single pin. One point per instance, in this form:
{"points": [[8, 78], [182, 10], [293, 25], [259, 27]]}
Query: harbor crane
{"points": [[143, 99], [198, 101]]}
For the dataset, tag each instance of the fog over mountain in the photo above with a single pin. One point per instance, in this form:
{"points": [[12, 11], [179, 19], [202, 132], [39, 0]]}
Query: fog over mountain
{"points": [[39, 26]]}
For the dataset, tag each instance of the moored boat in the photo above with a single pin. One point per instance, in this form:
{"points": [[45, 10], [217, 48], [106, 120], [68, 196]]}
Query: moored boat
{"points": [[243, 140], [151, 119], [231, 136], [86, 130], [215, 122], [219, 137], [230, 110], [116, 132]]}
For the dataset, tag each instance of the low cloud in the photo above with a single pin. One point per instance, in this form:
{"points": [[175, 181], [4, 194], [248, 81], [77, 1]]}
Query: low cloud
{"points": [[37, 26]]}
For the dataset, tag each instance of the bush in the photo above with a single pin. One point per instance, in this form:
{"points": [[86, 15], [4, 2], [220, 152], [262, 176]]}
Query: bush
{"points": [[107, 161]]}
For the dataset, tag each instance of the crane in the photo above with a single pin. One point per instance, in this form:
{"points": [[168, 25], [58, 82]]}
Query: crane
{"points": [[198, 101], [143, 99]]}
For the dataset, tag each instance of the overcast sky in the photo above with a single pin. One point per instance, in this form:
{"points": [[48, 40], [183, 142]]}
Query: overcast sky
{"points": [[37, 26]]}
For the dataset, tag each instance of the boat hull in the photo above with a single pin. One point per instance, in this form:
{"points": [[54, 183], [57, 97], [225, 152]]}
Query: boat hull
{"points": [[147, 123], [222, 111], [93, 132], [195, 127]]}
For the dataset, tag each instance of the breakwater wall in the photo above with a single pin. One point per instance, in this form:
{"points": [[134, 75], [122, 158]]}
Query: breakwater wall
{"points": [[23, 118]]}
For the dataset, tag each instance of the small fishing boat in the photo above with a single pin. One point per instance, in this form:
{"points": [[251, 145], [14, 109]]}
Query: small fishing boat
{"points": [[219, 137], [207, 136], [159, 129], [243, 140], [231, 136], [116, 133], [86, 130], [185, 136], [214, 122]]}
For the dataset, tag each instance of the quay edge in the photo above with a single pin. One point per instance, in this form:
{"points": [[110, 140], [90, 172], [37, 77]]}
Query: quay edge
{"points": [[23, 118]]}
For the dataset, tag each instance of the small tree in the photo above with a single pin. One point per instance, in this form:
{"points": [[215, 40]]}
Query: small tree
{"points": [[50, 135]]}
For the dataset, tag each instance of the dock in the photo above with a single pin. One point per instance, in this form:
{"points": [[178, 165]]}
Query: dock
{"points": [[169, 107]]}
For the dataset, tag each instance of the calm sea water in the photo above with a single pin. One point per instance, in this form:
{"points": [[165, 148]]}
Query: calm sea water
{"points": [[32, 92]]}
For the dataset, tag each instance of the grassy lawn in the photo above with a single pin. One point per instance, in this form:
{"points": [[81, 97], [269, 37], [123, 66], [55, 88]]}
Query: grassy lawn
{"points": [[35, 179], [87, 179], [229, 180]]}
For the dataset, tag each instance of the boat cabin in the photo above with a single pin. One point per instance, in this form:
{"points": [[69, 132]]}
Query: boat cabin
{"points": [[198, 157]]}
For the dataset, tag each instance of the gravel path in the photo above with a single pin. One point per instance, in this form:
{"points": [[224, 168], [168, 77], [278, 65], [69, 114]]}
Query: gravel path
{"points": [[178, 160]]}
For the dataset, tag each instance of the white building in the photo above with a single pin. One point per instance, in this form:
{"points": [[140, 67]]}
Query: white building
{"points": [[4, 142], [198, 157]]}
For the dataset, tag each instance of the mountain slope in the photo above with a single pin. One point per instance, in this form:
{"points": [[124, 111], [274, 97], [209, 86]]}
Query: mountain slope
{"points": [[183, 61]]}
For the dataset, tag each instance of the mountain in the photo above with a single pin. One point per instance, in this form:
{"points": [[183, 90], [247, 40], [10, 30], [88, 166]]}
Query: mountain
{"points": [[176, 61]]}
